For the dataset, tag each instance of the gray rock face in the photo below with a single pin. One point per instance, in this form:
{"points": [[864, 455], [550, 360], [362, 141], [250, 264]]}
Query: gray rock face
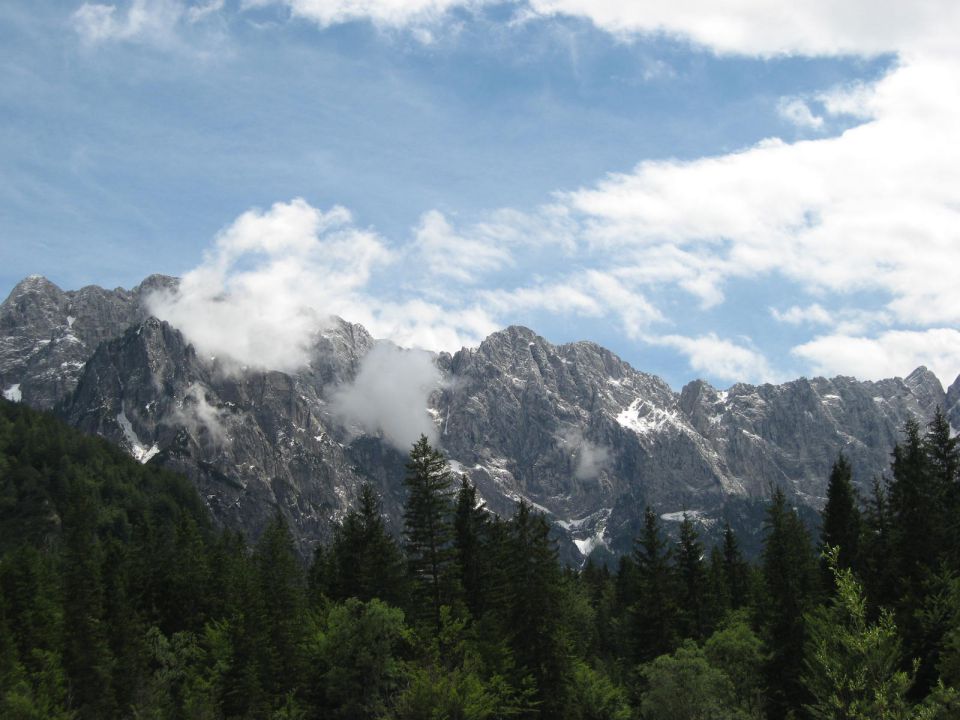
{"points": [[572, 428], [46, 334], [255, 443]]}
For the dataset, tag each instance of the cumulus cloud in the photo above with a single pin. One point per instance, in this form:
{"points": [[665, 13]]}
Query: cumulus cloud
{"points": [[762, 28], [721, 358], [386, 13], [814, 314], [892, 353], [589, 457], [871, 211], [448, 254], [389, 396], [199, 417], [798, 112], [271, 280], [151, 21]]}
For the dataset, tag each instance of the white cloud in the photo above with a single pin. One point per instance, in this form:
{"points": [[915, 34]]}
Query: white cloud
{"points": [[197, 13], [796, 111], [389, 395], [763, 28], [870, 211], [589, 457], [720, 358], [199, 416], [873, 210], [386, 13], [270, 281], [150, 21], [814, 314], [890, 354], [446, 253]]}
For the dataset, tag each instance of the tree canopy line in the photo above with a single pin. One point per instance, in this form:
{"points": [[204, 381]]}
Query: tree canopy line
{"points": [[119, 598]]}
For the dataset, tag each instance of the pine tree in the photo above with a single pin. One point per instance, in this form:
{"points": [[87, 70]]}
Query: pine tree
{"points": [[735, 569], [654, 613], [428, 530], [876, 548], [364, 561], [943, 460], [87, 659], [914, 506], [790, 575], [282, 593], [692, 580], [852, 668], [470, 528], [535, 612], [841, 520]]}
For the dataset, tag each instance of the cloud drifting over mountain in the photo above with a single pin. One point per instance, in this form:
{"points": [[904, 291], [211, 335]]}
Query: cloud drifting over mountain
{"points": [[862, 206]]}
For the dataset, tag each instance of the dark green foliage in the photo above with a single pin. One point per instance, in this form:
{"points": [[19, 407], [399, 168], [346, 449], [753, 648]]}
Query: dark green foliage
{"points": [[654, 610], [790, 578], [692, 583], [363, 561], [852, 668], [428, 531], [841, 520], [118, 599]]}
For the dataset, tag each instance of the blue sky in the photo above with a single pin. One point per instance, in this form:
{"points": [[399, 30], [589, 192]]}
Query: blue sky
{"points": [[744, 196]]}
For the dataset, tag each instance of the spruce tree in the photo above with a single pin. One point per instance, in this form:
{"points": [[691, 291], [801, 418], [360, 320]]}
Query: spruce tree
{"points": [[87, 658], [841, 520], [735, 569], [283, 601], [534, 621], [943, 460], [876, 548], [692, 581], [914, 512], [428, 530], [790, 575], [364, 561], [470, 527], [654, 612]]}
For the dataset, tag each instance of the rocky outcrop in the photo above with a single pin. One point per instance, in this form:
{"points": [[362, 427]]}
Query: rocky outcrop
{"points": [[47, 335], [572, 429]]}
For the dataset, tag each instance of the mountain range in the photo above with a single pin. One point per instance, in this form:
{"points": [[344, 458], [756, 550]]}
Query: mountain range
{"points": [[572, 429]]}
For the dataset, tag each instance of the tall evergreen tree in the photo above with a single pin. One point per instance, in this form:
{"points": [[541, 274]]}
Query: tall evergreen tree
{"points": [[876, 548], [87, 659], [282, 604], [915, 511], [841, 520], [735, 569], [428, 530], [654, 612], [535, 609], [470, 528], [790, 575], [692, 582], [364, 561], [943, 459]]}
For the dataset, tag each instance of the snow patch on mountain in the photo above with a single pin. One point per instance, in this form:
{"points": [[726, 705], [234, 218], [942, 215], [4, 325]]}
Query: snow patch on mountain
{"points": [[139, 451], [13, 393], [644, 419]]}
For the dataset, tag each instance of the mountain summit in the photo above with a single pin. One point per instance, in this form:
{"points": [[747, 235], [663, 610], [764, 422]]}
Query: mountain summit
{"points": [[572, 429]]}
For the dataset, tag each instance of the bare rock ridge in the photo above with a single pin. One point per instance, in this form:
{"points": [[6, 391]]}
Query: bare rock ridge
{"points": [[573, 429]]}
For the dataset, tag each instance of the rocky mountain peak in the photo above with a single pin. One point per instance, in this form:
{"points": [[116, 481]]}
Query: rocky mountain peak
{"points": [[926, 387], [572, 428]]}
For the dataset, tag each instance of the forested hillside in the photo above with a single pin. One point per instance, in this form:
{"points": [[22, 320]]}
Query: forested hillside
{"points": [[121, 599]]}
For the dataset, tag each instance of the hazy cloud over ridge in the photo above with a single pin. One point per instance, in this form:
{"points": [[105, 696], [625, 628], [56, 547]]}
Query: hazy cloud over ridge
{"points": [[863, 206]]}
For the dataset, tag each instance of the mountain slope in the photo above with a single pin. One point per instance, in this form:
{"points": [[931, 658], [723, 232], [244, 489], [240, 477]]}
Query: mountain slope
{"points": [[571, 428]]}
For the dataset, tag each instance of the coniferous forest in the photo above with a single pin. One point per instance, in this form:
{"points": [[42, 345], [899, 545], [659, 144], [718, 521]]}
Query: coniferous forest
{"points": [[119, 598]]}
